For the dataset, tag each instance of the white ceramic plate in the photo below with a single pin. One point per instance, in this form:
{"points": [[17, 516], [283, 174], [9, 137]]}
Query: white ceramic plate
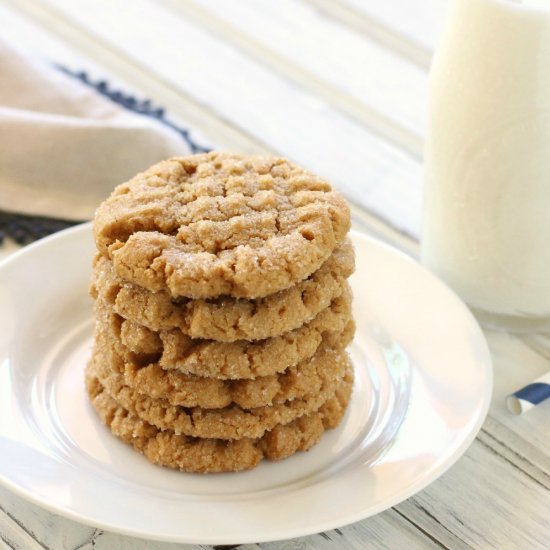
{"points": [[422, 391]]}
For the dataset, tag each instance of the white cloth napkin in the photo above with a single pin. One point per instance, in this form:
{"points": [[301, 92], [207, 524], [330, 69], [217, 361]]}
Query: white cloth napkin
{"points": [[63, 146]]}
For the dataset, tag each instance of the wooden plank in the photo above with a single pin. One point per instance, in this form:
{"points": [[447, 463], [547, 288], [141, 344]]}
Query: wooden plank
{"points": [[38, 529], [430, 524], [14, 533], [415, 22], [371, 172], [347, 69], [43, 530], [517, 451], [485, 502]]}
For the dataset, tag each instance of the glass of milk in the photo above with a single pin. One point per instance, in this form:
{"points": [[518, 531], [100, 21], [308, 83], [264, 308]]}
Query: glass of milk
{"points": [[486, 220]]}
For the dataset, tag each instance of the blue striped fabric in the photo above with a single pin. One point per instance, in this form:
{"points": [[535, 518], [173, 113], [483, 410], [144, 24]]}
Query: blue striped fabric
{"points": [[142, 107]]}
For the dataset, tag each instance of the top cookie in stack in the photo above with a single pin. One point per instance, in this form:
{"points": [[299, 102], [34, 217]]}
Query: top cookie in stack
{"points": [[222, 311], [220, 225]]}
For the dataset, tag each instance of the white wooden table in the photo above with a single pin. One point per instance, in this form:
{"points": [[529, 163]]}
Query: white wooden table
{"points": [[340, 86]]}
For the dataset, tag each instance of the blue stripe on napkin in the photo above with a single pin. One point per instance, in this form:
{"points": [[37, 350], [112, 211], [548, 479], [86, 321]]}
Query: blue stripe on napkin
{"points": [[139, 106]]}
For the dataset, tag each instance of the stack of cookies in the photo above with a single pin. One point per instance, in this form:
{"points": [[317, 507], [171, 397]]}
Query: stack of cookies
{"points": [[222, 311]]}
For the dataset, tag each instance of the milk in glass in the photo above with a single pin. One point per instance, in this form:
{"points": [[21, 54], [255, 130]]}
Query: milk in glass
{"points": [[486, 220]]}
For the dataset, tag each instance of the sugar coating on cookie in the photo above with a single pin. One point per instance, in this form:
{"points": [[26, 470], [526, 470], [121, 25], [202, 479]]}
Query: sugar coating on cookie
{"points": [[191, 454], [229, 423], [227, 319], [221, 224]]}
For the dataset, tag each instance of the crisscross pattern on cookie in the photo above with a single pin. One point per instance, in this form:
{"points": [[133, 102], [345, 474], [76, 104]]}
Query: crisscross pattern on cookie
{"points": [[221, 224]]}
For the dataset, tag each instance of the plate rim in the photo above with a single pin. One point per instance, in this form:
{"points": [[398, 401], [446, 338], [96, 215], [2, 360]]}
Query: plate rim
{"points": [[407, 491]]}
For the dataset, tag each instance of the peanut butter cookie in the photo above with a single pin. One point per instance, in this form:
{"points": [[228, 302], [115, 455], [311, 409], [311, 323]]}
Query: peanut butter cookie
{"points": [[235, 360], [227, 319], [187, 390], [192, 454], [231, 422], [221, 224]]}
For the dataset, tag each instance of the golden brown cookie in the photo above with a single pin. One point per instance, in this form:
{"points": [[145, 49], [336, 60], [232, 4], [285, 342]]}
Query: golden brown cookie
{"points": [[235, 360], [227, 319], [187, 390], [229, 423], [192, 454], [221, 224]]}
